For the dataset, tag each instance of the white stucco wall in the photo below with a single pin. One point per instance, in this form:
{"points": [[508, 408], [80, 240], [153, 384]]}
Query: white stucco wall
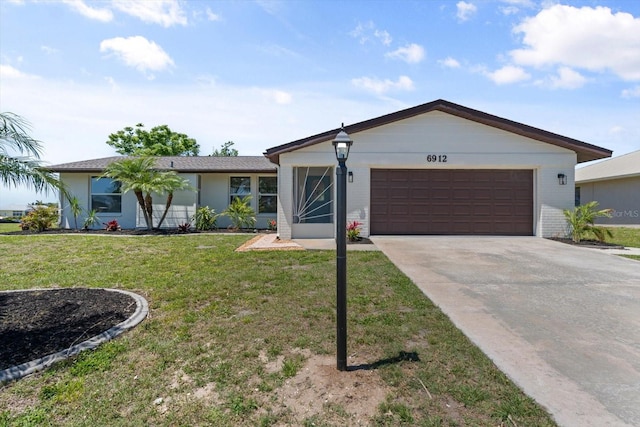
{"points": [[214, 193], [79, 185], [405, 145]]}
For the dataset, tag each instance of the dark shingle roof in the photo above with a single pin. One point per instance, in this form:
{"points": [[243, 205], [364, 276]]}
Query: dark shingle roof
{"points": [[185, 164], [585, 152]]}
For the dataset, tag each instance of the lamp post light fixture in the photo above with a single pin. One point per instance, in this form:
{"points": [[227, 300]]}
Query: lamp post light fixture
{"points": [[342, 144]]}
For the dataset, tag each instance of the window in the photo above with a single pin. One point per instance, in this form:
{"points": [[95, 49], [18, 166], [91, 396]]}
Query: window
{"points": [[240, 186], [267, 194], [312, 195], [106, 195], [577, 201]]}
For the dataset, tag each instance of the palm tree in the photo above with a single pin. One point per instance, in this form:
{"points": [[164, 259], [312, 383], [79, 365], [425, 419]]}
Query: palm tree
{"points": [[138, 174], [19, 157]]}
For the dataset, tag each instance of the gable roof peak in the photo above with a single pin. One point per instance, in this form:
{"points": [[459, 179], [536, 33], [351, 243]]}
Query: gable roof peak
{"points": [[585, 151]]}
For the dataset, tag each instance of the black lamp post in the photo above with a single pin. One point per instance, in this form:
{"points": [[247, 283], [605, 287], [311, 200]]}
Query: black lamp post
{"points": [[342, 144]]}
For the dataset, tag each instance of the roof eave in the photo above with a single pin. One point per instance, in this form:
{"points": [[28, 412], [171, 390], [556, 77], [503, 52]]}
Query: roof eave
{"points": [[585, 152]]}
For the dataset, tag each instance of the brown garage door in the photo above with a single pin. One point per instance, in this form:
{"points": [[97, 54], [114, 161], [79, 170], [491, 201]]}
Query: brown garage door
{"points": [[458, 201]]}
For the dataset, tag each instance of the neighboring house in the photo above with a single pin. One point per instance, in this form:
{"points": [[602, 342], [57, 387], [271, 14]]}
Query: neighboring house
{"points": [[438, 168], [216, 180], [12, 213], [615, 184]]}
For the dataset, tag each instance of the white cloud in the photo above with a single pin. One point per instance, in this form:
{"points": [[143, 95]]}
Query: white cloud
{"points": [[9, 72], [412, 53], [98, 14], [164, 12], [633, 92], [449, 62], [138, 52], [567, 79], [368, 32], [379, 87], [280, 97], [212, 16], [383, 36], [465, 10], [48, 50], [616, 130], [507, 75], [590, 38]]}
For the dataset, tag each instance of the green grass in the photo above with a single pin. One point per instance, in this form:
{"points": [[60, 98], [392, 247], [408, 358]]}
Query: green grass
{"points": [[215, 314], [6, 227], [628, 237], [625, 236]]}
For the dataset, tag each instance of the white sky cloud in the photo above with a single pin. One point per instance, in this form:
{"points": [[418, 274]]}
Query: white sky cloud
{"points": [[48, 50], [380, 87], [138, 52], [383, 36], [98, 14], [508, 74], [9, 72], [212, 16], [449, 62], [633, 92], [465, 10], [567, 79], [590, 38], [164, 12], [367, 32], [280, 97], [411, 54]]}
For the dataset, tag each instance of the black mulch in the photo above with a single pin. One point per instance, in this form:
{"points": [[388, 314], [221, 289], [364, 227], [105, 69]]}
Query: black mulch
{"points": [[34, 324], [589, 243]]}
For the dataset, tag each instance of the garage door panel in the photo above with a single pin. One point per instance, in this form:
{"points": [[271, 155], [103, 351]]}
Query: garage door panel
{"points": [[452, 202]]}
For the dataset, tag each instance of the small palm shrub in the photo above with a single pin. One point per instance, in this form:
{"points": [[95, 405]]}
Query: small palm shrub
{"points": [[205, 218], [40, 218], [91, 219], [241, 213], [581, 221]]}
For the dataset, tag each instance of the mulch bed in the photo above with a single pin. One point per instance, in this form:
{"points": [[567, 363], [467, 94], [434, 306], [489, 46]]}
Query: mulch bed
{"points": [[588, 243], [34, 324]]}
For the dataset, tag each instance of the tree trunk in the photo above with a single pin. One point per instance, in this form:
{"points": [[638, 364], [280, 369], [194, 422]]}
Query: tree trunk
{"points": [[147, 220], [166, 208], [148, 204]]}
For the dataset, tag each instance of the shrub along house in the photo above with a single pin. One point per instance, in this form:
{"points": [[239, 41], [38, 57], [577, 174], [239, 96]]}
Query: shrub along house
{"points": [[438, 168], [216, 180]]}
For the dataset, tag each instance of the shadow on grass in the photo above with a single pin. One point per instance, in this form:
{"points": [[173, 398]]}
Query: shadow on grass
{"points": [[403, 356]]}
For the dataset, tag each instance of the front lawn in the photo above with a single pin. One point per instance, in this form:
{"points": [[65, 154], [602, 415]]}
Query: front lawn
{"points": [[626, 236], [230, 337]]}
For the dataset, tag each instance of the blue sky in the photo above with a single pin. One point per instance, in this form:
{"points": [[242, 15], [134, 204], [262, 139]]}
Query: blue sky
{"points": [[263, 73]]}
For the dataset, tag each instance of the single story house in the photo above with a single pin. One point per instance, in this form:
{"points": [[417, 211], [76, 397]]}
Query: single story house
{"points": [[216, 180], [615, 184], [437, 168]]}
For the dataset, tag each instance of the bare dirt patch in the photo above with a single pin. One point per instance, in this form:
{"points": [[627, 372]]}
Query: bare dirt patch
{"points": [[319, 389]]}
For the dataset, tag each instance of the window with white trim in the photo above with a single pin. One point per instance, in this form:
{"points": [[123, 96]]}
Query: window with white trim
{"points": [[267, 194], [106, 195], [239, 186]]}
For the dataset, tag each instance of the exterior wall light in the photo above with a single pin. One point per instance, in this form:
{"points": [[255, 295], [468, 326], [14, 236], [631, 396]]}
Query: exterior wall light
{"points": [[350, 176], [562, 179]]}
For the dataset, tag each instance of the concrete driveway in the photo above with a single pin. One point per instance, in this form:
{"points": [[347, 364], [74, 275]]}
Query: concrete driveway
{"points": [[562, 322]]}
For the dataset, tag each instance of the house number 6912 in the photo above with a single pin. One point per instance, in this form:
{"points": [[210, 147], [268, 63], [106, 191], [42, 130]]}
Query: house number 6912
{"points": [[437, 158]]}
